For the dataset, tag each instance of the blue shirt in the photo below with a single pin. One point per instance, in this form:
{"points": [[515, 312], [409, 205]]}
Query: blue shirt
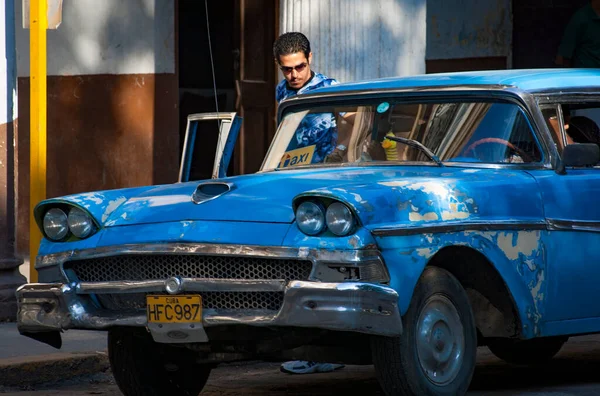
{"points": [[317, 129]]}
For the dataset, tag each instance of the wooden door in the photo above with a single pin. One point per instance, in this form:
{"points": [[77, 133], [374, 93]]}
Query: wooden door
{"points": [[255, 81]]}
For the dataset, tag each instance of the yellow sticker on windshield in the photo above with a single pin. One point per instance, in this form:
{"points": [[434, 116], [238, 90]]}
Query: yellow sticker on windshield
{"points": [[301, 156]]}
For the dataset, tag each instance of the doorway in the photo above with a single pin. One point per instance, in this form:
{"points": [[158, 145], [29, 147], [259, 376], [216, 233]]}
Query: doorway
{"points": [[241, 35], [538, 27]]}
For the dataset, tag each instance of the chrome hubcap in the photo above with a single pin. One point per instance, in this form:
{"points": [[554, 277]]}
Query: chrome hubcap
{"points": [[440, 340]]}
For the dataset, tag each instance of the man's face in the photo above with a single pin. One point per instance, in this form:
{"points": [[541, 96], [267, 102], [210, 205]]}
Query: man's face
{"points": [[295, 68]]}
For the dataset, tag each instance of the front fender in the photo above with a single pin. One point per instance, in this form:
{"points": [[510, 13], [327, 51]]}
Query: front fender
{"points": [[99, 204], [460, 195], [518, 256]]}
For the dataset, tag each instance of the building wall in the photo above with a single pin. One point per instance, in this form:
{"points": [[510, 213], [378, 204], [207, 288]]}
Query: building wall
{"points": [[10, 278], [468, 34], [8, 120], [112, 99], [468, 28], [356, 39]]}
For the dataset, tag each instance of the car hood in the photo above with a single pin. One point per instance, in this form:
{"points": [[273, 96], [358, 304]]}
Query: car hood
{"points": [[380, 196], [265, 197]]}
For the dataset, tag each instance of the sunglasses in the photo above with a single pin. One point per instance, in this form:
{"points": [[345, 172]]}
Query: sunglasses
{"points": [[288, 69]]}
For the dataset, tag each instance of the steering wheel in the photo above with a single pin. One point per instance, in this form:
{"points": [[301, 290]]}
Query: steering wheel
{"points": [[526, 157]]}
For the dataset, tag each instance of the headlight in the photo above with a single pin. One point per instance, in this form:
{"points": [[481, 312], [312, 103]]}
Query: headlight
{"points": [[340, 220], [80, 223], [56, 225], [310, 218]]}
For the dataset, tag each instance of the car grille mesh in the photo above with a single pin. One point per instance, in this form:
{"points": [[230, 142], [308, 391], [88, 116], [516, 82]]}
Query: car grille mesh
{"points": [[210, 300], [163, 266]]}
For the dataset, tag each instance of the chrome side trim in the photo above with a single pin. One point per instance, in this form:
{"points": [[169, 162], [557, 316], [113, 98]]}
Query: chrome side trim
{"points": [[457, 227], [314, 255], [187, 285], [571, 95], [569, 225]]}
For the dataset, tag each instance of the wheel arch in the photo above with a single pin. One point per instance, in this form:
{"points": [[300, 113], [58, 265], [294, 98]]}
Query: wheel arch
{"points": [[494, 307], [517, 275]]}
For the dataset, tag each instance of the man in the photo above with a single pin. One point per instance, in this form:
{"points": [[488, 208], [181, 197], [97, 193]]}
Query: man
{"points": [[293, 55], [580, 46]]}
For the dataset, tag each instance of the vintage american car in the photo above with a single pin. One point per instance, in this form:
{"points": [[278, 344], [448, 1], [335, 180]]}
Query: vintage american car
{"points": [[457, 210]]}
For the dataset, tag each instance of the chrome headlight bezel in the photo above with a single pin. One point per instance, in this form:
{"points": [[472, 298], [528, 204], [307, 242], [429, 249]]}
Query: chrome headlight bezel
{"points": [[310, 217], [339, 219], [56, 218], [80, 224]]}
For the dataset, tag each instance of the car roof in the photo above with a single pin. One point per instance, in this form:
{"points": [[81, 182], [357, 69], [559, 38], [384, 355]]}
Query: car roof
{"points": [[530, 80]]}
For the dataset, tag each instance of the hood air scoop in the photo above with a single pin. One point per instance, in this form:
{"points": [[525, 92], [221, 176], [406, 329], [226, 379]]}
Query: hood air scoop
{"points": [[211, 190]]}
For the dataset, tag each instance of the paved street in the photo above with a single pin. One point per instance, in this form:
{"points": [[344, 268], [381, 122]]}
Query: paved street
{"points": [[13, 345], [574, 372]]}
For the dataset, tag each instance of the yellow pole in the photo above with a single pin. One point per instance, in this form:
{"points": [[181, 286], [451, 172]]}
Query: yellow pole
{"points": [[38, 23]]}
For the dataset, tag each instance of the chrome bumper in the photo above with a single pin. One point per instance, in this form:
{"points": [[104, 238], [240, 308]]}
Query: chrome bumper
{"points": [[346, 306]]}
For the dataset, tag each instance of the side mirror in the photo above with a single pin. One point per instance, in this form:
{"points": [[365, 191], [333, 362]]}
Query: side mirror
{"points": [[579, 155]]}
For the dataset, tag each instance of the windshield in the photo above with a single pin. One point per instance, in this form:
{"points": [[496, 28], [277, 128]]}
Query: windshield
{"points": [[476, 132]]}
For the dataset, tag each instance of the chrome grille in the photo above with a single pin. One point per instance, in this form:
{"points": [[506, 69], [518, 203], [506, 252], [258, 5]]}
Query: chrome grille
{"points": [[210, 300], [163, 266]]}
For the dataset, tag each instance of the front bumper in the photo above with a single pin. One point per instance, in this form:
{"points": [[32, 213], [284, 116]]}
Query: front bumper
{"points": [[358, 307], [321, 301]]}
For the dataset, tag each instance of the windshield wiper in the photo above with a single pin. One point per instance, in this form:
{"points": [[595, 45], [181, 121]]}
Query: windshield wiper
{"points": [[417, 145]]}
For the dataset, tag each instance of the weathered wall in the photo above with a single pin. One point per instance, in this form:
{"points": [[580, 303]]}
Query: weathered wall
{"points": [[112, 99], [469, 34], [9, 273], [356, 39]]}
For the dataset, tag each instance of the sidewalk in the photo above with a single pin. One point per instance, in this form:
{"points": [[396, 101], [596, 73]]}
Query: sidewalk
{"points": [[24, 361]]}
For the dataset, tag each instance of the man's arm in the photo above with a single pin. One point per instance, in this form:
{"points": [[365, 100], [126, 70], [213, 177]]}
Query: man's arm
{"points": [[349, 117]]}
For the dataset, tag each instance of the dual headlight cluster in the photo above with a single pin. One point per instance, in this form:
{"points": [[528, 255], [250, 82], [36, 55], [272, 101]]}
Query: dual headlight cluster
{"points": [[313, 218], [59, 225]]}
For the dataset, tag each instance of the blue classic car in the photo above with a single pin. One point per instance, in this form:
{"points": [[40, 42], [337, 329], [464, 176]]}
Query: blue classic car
{"points": [[452, 211]]}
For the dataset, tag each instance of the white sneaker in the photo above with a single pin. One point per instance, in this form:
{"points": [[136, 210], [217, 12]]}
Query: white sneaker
{"points": [[304, 367]]}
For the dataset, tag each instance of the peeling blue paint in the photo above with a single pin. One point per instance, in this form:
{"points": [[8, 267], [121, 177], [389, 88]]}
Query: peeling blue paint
{"points": [[361, 239], [519, 257]]}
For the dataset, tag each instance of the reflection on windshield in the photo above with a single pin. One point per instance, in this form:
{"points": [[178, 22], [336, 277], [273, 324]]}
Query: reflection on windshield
{"points": [[482, 132]]}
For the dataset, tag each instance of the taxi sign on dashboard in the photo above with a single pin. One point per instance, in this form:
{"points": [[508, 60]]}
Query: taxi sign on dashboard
{"points": [[301, 156]]}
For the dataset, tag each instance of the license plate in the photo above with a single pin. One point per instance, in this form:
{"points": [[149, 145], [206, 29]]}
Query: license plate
{"points": [[174, 309]]}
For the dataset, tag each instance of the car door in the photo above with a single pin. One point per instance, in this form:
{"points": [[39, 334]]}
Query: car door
{"points": [[573, 246], [197, 156]]}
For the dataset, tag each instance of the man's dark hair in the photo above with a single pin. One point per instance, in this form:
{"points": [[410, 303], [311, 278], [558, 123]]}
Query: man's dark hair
{"points": [[290, 43]]}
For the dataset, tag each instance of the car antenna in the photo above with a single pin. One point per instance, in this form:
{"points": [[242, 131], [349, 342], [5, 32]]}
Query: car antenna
{"points": [[212, 64]]}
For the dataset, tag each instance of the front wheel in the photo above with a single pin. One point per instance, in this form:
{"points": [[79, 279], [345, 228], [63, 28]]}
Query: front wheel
{"points": [[142, 367], [436, 353]]}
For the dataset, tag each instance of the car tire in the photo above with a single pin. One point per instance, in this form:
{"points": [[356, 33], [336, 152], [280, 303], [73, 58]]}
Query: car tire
{"points": [[533, 351], [436, 353], [142, 367]]}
